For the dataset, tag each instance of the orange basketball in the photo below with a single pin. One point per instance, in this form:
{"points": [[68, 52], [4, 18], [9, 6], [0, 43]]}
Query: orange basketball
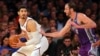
{"points": [[13, 39]]}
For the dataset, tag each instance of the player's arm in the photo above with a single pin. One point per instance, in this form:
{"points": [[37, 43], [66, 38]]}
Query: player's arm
{"points": [[35, 37], [31, 27], [88, 23], [62, 32]]}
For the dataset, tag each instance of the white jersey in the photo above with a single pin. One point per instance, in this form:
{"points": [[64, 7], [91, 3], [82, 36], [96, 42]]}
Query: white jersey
{"points": [[35, 41], [23, 27], [36, 35]]}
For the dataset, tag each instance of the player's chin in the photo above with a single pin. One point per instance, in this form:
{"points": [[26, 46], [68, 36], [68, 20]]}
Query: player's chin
{"points": [[66, 14]]}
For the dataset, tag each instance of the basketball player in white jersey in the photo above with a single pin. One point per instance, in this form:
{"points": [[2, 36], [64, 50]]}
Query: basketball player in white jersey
{"points": [[36, 44]]}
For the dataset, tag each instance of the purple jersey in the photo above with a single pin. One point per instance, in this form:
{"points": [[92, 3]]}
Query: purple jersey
{"points": [[85, 35]]}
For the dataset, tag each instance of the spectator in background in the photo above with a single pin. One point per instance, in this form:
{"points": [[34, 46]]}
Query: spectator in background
{"points": [[98, 25], [53, 29], [45, 23], [87, 3], [80, 7], [5, 18], [88, 12], [75, 51], [52, 23], [53, 15], [12, 26], [40, 18], [51, 51], [42, 5], [29, 4], [60, 20], [34, 12], [5, 52], [60, 5], [2, 6], [64, 48], [5, 44], [93, 17], [4, 27], [49, 6], [75, 41], [94, 8]]}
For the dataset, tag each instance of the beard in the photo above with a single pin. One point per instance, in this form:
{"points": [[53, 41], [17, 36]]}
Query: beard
{"points": [[68, 14], [24, 16]]}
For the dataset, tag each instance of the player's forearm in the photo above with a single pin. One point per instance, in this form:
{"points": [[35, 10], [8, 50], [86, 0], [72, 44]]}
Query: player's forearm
{"points": [[35, 38], [54, 34]]}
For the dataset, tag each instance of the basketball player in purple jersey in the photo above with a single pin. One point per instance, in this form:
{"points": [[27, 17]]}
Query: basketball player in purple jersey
{"points": [[82, 25]]}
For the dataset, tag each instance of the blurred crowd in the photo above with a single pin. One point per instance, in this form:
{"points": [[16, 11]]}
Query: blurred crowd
{"points": [[50, 14]]}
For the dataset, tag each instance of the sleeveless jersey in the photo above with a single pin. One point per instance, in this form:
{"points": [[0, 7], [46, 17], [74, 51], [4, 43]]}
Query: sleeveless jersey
{"points": [[33, 37], [85, 35]]}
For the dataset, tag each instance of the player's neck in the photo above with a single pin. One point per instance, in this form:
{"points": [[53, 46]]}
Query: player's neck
{"points": [[23, 19], [73, 15]]}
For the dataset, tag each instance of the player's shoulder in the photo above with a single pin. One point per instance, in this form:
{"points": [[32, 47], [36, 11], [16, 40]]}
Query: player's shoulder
{"points": [[31, 20], [81, 15]]}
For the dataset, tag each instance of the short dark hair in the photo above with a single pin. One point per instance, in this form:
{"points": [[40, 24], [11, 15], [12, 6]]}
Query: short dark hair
{"points": [[22, 6], [73, 5], [66, 37]]}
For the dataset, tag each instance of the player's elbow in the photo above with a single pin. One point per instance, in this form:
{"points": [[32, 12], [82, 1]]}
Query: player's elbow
{"points": [[56, 35]]}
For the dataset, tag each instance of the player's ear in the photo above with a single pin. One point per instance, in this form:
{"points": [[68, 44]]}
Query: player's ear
{"points": [[18, 12], [71, 9]]}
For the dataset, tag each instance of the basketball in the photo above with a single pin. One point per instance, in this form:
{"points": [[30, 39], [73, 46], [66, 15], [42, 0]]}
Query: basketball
{"points": [[13, 39]]}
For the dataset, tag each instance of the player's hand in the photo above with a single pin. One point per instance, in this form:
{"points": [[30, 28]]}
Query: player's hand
{"points": [[14, 45], [96, 43], [18, 45], [43, 32]]}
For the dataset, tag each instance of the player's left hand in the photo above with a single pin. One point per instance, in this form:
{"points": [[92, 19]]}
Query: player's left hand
{"points": [[42, 32], [18, 45], [96, 43]]}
